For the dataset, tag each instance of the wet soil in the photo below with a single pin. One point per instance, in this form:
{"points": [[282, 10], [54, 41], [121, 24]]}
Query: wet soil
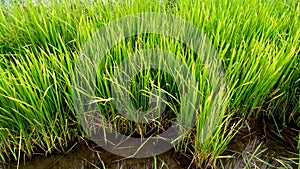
{"points": [[258, 144], [84, 156], [261, 144]]}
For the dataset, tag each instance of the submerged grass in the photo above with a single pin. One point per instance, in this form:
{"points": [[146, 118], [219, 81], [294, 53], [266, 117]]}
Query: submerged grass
{"points": [[257, 42]]}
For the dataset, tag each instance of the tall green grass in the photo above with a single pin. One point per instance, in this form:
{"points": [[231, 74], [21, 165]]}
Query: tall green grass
{"points": [[257, 41]]}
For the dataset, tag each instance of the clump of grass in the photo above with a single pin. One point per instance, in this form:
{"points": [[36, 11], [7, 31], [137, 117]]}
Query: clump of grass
{"points": [[257, 41], [258, 50]]}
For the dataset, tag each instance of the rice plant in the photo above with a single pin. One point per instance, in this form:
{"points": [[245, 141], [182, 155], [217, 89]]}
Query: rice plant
{"points": [[257, 42]]}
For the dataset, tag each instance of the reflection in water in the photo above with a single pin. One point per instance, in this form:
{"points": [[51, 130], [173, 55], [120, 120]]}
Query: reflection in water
{"points": [[81, 157], [260, 146], [252, 147]]}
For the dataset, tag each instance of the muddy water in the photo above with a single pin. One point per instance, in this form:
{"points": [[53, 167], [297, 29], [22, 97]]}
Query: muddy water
{"points": [[259, 153], [256, 145], [260, 146], [81, 157], [248, 149]]}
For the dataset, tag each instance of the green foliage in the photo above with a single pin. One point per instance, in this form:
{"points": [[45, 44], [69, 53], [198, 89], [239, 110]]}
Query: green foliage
{"points": [[257, 41]]}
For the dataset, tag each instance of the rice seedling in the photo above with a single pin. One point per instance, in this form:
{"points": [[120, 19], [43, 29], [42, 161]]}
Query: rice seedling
{"points": [[257, 42]]}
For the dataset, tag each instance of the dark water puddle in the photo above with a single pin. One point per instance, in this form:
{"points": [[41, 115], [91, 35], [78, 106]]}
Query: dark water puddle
{"points": [[83, 156], [258, 144]]}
